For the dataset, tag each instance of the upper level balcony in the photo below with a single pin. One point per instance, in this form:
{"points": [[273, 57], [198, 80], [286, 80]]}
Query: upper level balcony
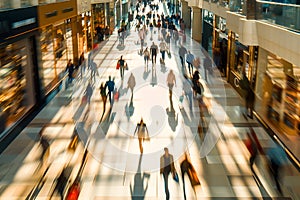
{"points": [[14, 4], [285, 13]]}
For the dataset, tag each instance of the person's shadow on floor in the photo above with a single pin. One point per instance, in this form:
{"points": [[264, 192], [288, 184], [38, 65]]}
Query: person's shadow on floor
{"points": [[138, 190]]}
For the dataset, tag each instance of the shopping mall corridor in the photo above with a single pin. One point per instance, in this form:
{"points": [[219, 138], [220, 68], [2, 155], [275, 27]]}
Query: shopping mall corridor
{"points": [[212, 131]]}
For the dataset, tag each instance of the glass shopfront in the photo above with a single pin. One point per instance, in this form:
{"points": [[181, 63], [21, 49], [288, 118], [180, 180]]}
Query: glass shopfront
{"points": [[57, 49], [281, 95], [85, 29], [241, 59], [207, 36], [220, 44], [101, 13], [16, 90]]}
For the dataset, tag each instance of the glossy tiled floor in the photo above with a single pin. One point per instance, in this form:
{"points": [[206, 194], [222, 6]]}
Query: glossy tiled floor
{"points": [[115, 169]]}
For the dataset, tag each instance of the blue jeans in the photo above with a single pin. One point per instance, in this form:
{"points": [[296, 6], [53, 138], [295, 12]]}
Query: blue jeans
{"points": [[163, 53]]}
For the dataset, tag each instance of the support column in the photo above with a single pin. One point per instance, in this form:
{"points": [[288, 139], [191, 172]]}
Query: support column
{"points": [[185, 13], [15, 4], [75, 40], [197, 24]]}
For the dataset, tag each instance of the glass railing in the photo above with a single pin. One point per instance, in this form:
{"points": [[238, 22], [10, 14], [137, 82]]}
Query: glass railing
{"points": [[9, 4], [237, 6], [223, 3], [283, 14]]}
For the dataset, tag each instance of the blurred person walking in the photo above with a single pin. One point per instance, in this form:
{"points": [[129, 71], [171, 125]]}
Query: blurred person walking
{"points": [[121, 62], [171, 81], [187, 89], [182, 51], [189, 59], [44, 142], [61, 183], [249, 95], [252, 147], [277, 158], [94, 71], [142, 132], [103, 95], [167, 167], [186, 167], [207, 67], [81, 64], [146, 57], [88, 93], [131, 84], [163, 48], [70, 68], [110, 84], [153, 51]]}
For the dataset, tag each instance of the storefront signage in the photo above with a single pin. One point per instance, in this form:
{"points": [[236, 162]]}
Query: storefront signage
{"points": [[23, 22], [67, 10], [55, 12], [236, 82], [17, 21], [51, 14]]}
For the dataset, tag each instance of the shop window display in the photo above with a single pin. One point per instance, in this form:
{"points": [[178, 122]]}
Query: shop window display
{"points": [[241, 59], [47, 49], [13, 102], [283, 105], [56, 48], [60, 48], [85, 38]]}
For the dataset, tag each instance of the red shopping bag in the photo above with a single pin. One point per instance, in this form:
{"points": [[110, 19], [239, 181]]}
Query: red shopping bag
{"points": [[116, 96], [118, 65], [74, 191]]}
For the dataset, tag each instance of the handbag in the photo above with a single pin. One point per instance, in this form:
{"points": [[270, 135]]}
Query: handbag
{"points": [[126, 66], [84, 99], [181, 98], [175, 177], [193, 176], [116, 95], [196, 62], [118, 65], [169, 54]]}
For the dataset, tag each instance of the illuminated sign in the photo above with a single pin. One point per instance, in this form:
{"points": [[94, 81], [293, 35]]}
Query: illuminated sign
{"points": [[24, 22], [236, 82]]}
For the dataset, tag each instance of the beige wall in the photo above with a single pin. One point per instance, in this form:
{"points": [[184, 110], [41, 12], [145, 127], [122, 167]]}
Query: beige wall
{"points": [[279, 41], [56, 7], [83, 6]]}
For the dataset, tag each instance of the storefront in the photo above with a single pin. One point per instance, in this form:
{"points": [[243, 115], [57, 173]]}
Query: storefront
{"points": [[84, 20], [121, 10], [207, 35], [220, 44], [18, 84], [103, 18], [279, 96], [57, 42], [240, 59]]}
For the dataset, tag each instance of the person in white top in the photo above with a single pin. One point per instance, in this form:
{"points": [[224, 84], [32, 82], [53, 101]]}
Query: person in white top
{"points": [[142, 35], [171, 81], [131, 83], [146, 56], [142, 133], [163, 48]]}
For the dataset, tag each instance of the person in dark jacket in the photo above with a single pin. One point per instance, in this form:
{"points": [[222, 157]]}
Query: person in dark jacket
{"points": [[250, 96], [70, 68]]}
